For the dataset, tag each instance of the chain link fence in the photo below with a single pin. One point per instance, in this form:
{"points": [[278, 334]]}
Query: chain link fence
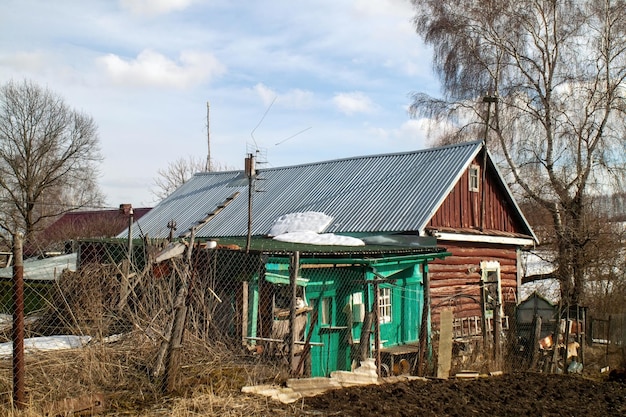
{"points": [[135, 321]]}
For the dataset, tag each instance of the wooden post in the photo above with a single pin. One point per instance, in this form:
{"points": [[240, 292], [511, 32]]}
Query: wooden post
{"points": [[555, 338], [175, 344], [582, 337], [127, 266], [172, 362], [377, 329], [18, 323], [293, 281], [366, 331], [444, 359], [483, 315], [244, 311], [566, 340], [497, 330], [534, 343], [307, 346], [423, 338], [608, 339]]}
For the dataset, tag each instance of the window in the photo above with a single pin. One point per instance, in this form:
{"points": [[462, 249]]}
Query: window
{"points": [[384, 305], [474, 175], [326, 311], [491, 280]]}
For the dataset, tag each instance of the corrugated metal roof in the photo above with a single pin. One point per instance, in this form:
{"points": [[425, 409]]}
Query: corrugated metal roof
{"points": [[47, 269], [388, 193]]}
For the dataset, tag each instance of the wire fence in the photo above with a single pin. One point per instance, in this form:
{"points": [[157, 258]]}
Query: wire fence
{"points": [[158, 316]]}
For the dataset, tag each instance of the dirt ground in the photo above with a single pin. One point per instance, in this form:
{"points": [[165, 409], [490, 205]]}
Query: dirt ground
{"points": [[528, 394]]}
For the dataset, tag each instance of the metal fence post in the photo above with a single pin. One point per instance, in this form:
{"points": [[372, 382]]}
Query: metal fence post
{"points": [[293, 278], [18, 323]]}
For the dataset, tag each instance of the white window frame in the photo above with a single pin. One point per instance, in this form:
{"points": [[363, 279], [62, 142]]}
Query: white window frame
{"points": [[384, 305], [487, 268], [474, 178], [326, 311]]}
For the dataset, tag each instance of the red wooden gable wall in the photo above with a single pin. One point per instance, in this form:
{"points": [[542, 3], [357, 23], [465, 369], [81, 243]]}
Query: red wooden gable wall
{"points": [[462, 207]]}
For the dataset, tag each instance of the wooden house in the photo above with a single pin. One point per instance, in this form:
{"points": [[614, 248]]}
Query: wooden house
{"points": [[454, 193]]}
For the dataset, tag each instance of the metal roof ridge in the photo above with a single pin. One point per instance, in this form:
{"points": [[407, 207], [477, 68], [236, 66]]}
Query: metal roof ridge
{"points": [[472, 143]]}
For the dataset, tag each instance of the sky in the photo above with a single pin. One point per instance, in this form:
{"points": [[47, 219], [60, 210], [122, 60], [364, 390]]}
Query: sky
{"points": [[291, 81]]}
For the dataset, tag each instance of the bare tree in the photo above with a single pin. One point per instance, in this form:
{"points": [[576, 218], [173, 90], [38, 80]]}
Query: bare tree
{"points": [[178, 172], [557, 68], [48, 157]]}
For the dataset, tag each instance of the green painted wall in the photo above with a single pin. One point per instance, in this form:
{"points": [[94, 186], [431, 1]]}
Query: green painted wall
{"points": [[338, 295]]}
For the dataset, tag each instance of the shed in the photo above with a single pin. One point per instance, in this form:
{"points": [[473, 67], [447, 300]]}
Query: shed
{"points": [[526, 315]]}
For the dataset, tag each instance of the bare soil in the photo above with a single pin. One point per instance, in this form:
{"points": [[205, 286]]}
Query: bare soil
{"points": [[525, 394]]}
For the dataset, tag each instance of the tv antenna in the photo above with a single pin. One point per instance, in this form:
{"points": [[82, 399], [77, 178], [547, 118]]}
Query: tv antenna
{"points": [[208, 139]]}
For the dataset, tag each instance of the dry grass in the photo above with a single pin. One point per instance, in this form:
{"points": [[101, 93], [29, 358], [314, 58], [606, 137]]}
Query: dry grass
{"points": [[210, 380], [213, 369]]}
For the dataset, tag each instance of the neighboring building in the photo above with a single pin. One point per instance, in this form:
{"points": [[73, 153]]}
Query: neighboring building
{"points": [[454, 193], [76, 225], [42, 270]]}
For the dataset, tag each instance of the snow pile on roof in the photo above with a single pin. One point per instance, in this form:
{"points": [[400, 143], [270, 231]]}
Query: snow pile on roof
{"points": [[319, 239], [307, 227], [46, 343], [299, 222]]}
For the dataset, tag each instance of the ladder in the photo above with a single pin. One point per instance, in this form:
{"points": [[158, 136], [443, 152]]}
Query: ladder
{"points": [[211, 214]]}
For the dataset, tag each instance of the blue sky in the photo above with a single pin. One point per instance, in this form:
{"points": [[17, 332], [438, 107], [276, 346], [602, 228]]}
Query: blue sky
{"points": [[337, 74]]}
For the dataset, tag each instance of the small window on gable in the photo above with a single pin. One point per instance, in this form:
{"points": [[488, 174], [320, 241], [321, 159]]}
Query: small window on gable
{"points": [[474, 175]]}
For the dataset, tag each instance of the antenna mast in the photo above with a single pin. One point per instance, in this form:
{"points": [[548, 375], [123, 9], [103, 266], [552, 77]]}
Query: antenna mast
{"points": [[208, 139]]}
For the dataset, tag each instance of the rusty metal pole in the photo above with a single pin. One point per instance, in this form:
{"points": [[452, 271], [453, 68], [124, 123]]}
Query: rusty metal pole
{"points": [[250, 173], [293, 281], [18, 323], [487, 99]]}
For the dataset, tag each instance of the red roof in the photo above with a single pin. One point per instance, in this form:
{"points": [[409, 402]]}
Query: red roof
{"points": [[88, 224]]}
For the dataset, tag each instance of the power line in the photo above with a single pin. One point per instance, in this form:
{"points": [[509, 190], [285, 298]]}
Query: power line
{"points": [[293, 136], [261, 121]]}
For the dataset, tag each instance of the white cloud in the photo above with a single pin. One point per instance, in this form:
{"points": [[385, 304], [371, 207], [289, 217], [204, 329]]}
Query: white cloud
{"points": [[414, 128], [413, 133], [418, 132], [154, 7], [378, 8], [26, 61], [379, 132], [153, 69], [294, 98], [351, 103]]}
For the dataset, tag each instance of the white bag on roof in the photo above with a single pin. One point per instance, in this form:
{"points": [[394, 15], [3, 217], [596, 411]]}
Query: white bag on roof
{"points": [[312, 221]]}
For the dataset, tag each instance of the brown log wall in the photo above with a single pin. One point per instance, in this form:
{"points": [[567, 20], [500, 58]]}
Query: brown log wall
{"points": [[455, 280]]}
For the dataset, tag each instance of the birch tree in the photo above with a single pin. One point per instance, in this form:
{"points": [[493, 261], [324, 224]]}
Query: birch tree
{"points": [[557, 68]]}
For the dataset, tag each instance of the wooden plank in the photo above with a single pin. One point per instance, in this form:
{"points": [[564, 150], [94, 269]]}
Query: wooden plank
{"points": [[444, 361]]}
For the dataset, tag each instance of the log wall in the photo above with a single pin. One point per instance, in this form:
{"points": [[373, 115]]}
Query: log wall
{"points": [[455, 280]]}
